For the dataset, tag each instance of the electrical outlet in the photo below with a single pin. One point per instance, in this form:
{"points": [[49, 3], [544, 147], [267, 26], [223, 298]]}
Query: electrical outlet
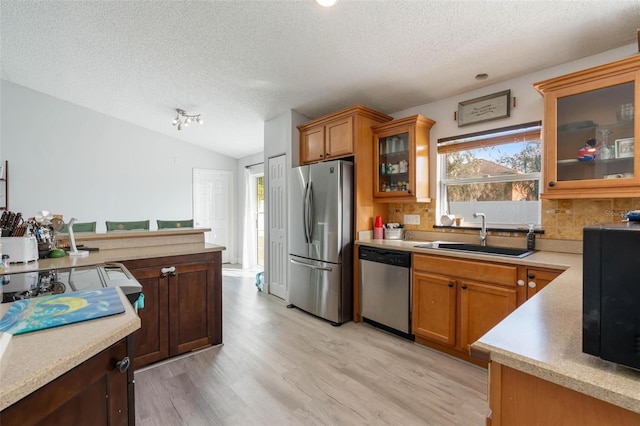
{"points": [[412, 219]]}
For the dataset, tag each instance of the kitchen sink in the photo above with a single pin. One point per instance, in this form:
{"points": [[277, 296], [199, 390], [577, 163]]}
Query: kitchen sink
{"points": [[477, 248]]}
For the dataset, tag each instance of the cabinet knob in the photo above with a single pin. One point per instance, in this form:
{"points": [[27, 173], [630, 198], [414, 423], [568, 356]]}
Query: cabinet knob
{"points": [[532, 284], [530, 275], [521, 283], [326, 154], [123, 365], [173, 274], [409, 191], [320, 155], [163, 275], [464, 286], [552, 184], [450, 284]]}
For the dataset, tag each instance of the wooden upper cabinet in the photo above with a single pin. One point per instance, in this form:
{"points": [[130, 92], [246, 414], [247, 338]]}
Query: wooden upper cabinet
{"points": [[339, 138], [401, 160], [312, 145], [337, 135], [590, 127]]}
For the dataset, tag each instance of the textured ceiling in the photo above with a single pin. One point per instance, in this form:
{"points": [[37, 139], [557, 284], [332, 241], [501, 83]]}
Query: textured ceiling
{"points": [[239, 63]]}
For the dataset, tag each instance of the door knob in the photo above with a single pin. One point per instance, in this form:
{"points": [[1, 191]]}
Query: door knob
{"points": [[124, 364]]}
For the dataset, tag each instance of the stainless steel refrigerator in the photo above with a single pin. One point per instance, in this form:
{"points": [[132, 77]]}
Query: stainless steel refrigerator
{"points": [[320, 264]]}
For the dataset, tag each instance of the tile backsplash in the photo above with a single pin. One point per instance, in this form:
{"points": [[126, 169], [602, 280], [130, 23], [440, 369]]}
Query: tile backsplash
{"points": [[561, 219]]}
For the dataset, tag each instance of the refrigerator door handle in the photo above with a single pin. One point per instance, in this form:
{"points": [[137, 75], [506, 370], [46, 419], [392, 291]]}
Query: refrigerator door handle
{"points": [[310, 209], [321, 268], [305, 210]]}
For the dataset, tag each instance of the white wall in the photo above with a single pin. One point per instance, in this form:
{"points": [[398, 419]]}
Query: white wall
{"points": [[77, 162]]}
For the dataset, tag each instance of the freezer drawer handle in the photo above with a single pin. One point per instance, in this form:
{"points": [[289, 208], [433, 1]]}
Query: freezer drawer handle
{"points": [[321, 268]]}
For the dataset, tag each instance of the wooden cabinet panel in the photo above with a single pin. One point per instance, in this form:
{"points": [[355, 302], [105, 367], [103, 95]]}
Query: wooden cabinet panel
{"points": [[151, 341], [434, 313], [183, 305], [518, 398], [339, 138], [537, 279], [586, 105], [401, 160], [450, 309], [191, 315], [312, 145], [482, 306], [480, 271], [93, 393]]}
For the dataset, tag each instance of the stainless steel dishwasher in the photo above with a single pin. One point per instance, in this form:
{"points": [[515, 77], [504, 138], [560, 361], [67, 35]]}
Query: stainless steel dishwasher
{"points": [[385, 289]]}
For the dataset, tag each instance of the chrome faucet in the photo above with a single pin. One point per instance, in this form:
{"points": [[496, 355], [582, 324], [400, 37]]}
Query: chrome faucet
{"points": [[483, 228]]}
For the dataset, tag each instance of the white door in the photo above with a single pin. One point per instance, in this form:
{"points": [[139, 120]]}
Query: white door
{"points": [[212, 201], [277, 216]]}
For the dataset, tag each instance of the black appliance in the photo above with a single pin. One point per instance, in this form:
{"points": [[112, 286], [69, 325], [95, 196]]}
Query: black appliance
{"points": [[611, 292], [26, 285]]}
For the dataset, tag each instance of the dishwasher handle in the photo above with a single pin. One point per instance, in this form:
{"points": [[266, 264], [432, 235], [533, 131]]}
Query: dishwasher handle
{"points": [[321, 268]]}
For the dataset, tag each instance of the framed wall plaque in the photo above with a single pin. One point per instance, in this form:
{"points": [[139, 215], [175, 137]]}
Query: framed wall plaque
{"points": [[485, 108]]}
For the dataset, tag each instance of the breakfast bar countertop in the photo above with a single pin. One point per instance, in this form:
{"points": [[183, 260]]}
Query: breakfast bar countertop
{"points": [[34, 359], [543, 337]]}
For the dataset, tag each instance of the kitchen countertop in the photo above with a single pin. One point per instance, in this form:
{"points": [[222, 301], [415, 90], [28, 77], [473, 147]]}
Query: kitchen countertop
{"points": [[114, 255], [543, 337], [34, 359]]}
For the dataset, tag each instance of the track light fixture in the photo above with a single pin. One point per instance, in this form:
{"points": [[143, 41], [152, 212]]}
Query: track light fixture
{"points": [[184, 119]]}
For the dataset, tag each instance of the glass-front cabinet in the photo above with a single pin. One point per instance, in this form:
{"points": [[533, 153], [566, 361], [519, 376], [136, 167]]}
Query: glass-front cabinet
{"points": [[401, 160], [590, 128]]}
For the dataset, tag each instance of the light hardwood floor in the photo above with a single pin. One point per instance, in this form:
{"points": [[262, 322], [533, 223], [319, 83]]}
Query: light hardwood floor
{"points": [[281, 366]]}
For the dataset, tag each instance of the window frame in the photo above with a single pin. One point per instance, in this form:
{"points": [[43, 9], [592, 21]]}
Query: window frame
{"points": [[472, 140]]}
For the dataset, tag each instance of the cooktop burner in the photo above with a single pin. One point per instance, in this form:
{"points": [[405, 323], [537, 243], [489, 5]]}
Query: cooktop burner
{"points": [[26, 285]]}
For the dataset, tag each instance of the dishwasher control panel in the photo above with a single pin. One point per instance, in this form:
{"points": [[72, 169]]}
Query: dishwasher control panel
{"points": [[390, 257]]}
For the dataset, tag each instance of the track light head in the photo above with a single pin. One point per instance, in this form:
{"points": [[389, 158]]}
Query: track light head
{"points": [[188, 118]]}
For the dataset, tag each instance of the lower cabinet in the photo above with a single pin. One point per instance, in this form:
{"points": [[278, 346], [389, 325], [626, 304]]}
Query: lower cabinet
{"points": [[456, 301], [536, 279], [183, 305], [97, 392], [518, 398]]}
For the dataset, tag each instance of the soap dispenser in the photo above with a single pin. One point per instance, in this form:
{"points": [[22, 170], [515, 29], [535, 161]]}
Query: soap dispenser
{"points": [[531, 239]]}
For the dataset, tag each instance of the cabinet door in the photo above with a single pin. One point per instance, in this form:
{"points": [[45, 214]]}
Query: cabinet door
{"points": [[537, 279], [482, 306], [312, 145], [191, 310], [151, 340], [589, 139], [401, 160], [434, 308], [93, 393], [394, 163], [339, 138]]}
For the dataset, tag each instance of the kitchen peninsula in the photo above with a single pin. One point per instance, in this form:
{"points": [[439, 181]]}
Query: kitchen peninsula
{"points": [[176, 269], [537, 371]]}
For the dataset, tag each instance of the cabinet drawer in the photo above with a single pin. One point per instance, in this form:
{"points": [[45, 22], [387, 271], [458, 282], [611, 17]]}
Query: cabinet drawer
{"points": [[480, 271]]}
